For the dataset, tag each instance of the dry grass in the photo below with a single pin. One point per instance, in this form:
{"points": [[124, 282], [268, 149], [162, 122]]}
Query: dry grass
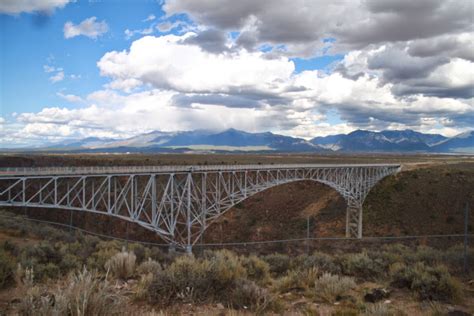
{"points": [[122, 264], [329, 287], [379, 309], [83, 294]]}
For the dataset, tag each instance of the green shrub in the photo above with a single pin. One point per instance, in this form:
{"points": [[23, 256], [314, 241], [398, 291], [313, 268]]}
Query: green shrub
{"points": [[362, 266], [122, 264], [429, 283], [7, 267], [279, 263], [330, 287], [257, 269]]}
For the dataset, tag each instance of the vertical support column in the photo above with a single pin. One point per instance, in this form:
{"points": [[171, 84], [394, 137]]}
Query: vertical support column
{"points": [[109, 211], [56, 191], [172, 247], [189, 245], [23, 191], [84, 192], [154, 202], [203, 205], [245, 184], [353, 219]]}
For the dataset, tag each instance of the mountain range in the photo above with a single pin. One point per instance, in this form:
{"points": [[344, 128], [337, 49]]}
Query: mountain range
{"points": [[395, 141]]}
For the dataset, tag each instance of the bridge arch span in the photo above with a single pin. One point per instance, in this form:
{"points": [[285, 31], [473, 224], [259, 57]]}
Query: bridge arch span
{"points": [[179, 202]]}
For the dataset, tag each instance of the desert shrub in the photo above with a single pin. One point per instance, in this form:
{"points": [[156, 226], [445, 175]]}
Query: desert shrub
{"points": [[46, 271], [427, 255], [122, 264], [279, 263], [432, 283], [7, 267], [70, 262], [10, 247], [186, 276], [141, 290], [140, 251], [49, 233], [104, 250], [38, 302], [300, 279], [24, 277], [398, 249], [453, 257], [322, 261], [225, 268], [248, 295], [84, 294], [362, 266], [149, 266], [197, 280], [159, 255], [330, 288], [384, 258], [257, 269], [43, 258], [44, 253]]}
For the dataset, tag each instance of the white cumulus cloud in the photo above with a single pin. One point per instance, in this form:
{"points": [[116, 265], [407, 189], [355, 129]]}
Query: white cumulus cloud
{"points": [[89, 27]]}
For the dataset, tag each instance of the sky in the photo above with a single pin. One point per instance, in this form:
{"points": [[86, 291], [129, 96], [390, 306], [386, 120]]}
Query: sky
{"points": [[119, 68]]}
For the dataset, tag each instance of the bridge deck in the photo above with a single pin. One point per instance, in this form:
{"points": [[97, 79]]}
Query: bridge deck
{"points": [[56, 171]]}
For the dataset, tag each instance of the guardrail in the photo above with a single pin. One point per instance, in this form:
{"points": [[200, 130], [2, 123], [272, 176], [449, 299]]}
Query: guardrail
{"points": [[170, 169]]}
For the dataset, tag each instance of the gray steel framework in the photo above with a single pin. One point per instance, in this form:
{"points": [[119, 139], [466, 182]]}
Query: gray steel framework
{"points": [[179, 202]]}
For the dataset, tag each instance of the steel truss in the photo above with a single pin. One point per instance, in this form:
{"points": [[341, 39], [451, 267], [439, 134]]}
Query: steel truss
{"points": [[179, 202]]}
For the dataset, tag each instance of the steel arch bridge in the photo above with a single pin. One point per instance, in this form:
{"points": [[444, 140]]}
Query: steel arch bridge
{"points": [[179, 202]]}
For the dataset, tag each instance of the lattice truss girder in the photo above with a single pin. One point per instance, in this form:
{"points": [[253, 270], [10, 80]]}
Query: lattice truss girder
{"points": [[179, 206]]}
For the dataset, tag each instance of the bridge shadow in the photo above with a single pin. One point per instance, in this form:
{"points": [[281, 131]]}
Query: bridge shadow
{"points": [[96, 223], [282, 212]]}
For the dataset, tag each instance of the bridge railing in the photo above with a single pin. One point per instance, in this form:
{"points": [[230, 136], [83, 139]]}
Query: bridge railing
{"points": [[169, 169]]}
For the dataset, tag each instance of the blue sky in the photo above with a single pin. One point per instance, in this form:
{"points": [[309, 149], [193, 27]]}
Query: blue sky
{"points": [[69, 69], [31, 41], [38, 40]]}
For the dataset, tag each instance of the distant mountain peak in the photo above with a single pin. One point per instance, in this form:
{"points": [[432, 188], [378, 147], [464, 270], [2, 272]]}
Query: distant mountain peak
{"points": [[233, 139]]}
